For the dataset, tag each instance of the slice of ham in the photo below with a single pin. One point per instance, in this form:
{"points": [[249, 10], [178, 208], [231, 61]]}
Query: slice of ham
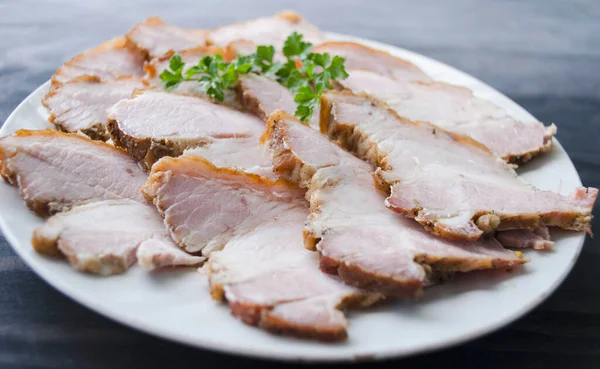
{"points": [[103, 237], [154, 124], [174, 183], [160, 252], [55, 170], [417, 162], [155, 38], [262, 269], [262, 96], [538, 239], [361, 57], [456, 110], [111, 60], [356, 236], [267, 31], [238, 153], [80, 104]]}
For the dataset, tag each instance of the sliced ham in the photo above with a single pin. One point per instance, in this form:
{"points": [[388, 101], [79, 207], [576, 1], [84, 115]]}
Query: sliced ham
{"points": [[55, 170], [154, 37], [111, 60], [262, 96], [245, 154], [160, 252], [267, 31], [174, 183], [356, 236], [456, 110], [80, 104], [417, 162], [155, 123], [262, 268], [103, 237], [361, 57], [538, 239]]}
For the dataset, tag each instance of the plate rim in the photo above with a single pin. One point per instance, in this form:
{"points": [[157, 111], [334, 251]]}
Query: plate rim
{"points": [[240, 351]]}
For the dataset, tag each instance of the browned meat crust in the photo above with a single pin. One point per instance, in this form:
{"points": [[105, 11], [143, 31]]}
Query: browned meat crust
{"points": [[523, 158], [146, 151], [97, 131], [266, 318]]}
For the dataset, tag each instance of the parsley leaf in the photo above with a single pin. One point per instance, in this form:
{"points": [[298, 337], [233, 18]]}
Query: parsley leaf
{"points": [[295, 46]]}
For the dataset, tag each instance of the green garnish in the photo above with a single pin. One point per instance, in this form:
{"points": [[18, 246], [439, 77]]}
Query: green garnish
{"points": [[305, 73]]}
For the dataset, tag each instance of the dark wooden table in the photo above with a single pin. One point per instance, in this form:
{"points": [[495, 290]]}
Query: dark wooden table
{"points": [[543, 54]]}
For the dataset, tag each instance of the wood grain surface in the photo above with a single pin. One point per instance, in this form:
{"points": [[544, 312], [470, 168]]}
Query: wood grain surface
{"points": [[543, 54]]}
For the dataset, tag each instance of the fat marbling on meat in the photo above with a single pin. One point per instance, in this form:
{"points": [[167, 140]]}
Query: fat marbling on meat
{"points": [[357, 238], [251, 227], [418, 161]]}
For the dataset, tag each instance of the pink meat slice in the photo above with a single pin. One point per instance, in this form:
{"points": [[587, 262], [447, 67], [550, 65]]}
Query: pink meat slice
{"points": [[210, 227], [267, 31], [110, 60], [356, 236], [361, 57], [251, 227], [417, 161], [456, 110], [263, 96], [246, 154], [538, 239], [161, 252], [154, 37], [107, 237], [155, 123], [80, 104], [55, 171], [103, 237]]}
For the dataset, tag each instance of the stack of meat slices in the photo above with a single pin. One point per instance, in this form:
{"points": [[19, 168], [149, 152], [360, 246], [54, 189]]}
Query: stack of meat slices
{"points": [[99, 220], [294, 225]]}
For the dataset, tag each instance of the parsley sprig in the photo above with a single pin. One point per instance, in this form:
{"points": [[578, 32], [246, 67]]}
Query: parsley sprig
{"points": [[305, 73]]}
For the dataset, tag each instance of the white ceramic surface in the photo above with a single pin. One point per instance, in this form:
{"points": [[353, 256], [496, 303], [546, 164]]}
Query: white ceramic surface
{"points": [[175, 304]]}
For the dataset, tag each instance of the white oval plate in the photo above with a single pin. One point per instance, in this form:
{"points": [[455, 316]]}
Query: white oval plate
{"points": [[175, 304]]}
